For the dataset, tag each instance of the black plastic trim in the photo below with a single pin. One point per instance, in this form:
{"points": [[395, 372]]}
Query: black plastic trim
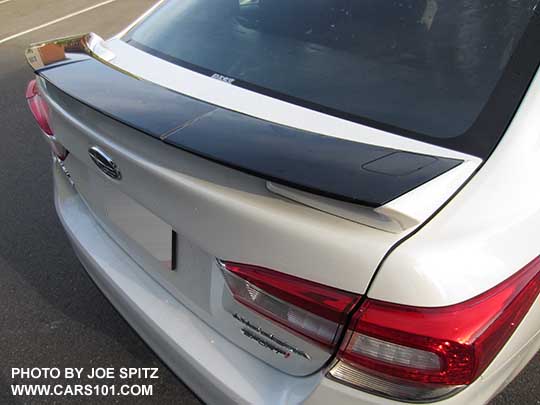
{"points": [[336, 168]]}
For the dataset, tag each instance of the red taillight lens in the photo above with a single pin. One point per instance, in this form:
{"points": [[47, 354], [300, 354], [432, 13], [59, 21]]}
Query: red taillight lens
{"points": [[40, 110], [414, 353], [313, 310]]}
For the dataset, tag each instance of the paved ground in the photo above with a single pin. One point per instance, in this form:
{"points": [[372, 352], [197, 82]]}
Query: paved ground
{"points": [[51, 315]]}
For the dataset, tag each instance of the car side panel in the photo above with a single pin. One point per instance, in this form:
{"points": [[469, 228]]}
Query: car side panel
{"points": [[483, 235]]}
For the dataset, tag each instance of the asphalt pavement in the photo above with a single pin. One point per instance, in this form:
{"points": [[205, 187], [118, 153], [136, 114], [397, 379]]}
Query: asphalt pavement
{"points": [[51, 314]]}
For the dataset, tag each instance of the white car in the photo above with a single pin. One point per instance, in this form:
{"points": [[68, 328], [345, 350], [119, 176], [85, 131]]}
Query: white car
{"points": [[321, 201]]}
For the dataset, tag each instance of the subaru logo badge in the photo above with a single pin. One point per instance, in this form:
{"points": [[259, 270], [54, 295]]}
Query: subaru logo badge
{"points": [[104, 163]]}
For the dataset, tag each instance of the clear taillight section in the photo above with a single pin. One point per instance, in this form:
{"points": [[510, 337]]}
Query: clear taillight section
{"points": [[40, 111], [413, 353], [391, 353], [304, 307]]}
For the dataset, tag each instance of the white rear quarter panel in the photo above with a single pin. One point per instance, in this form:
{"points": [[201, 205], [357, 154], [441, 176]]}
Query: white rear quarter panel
{"points": [[484, 235]]}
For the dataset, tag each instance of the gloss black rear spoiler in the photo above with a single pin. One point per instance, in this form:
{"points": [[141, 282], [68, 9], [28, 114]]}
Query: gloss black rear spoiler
{"points": [[350, 171]]}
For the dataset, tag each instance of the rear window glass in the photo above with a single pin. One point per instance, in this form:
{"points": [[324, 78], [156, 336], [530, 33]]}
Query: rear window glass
{"points": [[427, 67]]}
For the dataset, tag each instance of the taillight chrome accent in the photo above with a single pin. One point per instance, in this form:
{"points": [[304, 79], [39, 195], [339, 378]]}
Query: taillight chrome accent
{"points": [[415, 354], [310, 309], [40, 111]]}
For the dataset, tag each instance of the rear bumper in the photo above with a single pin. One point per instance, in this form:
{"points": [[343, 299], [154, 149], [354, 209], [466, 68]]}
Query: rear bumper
{"points": [[214, 368]]}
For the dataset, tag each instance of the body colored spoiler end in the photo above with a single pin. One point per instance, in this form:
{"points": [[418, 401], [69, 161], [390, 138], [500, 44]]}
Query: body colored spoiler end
{"points": [[75, 48]]}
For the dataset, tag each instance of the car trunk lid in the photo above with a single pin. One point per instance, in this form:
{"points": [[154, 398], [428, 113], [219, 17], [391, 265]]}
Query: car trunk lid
{"points": [[181, 203]]}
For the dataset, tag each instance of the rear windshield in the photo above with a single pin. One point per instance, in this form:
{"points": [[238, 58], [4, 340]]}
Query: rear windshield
{"points": [[422, 68]]}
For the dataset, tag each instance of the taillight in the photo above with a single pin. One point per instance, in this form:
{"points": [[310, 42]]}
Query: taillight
{"points": [[38, 107], [412, 353], [313, 310], [40, 110]]}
